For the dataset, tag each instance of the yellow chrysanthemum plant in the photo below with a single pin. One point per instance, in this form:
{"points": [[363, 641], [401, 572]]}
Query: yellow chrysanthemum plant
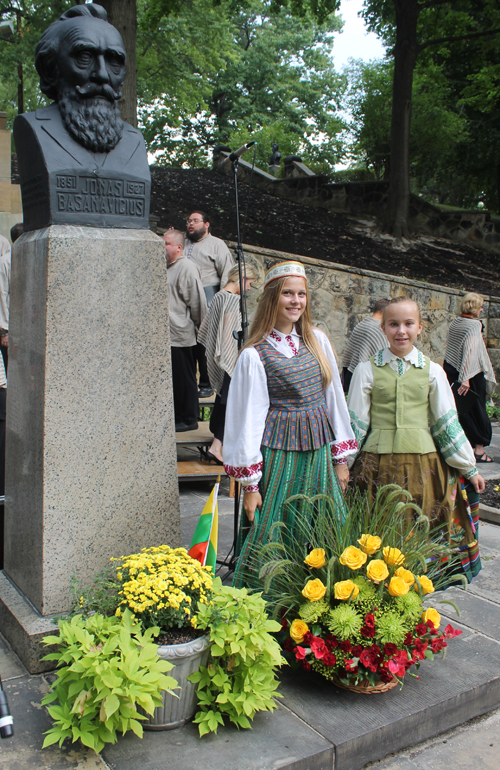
{"points": [[162, 586], [352, 595]]}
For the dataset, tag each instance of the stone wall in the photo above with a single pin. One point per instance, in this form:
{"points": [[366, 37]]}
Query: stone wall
{"points": [[341, 296]]}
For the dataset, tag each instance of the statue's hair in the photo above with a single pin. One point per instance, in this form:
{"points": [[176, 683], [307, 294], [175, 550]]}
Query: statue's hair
{"points": [[265, 318], [48, 46]]}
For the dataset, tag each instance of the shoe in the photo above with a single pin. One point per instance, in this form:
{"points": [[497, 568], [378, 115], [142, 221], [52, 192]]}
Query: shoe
{"points": [[483, 458], [205, 392], [181, 427]]}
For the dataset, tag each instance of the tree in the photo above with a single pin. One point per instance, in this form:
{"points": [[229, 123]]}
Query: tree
{"points": [[412, 27], [123, 15], [270, 77]]}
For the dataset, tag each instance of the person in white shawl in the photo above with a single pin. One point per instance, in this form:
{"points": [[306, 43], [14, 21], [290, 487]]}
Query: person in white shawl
{"points": [[221, 348], [466, 363]]}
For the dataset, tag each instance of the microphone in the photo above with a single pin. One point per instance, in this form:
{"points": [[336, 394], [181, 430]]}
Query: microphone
{"points": [[238, 153]]}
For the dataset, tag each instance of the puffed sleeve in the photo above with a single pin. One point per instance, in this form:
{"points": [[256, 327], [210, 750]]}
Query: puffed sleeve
{"points": [[446, 430], [359, 400], [345, 443], [246, 412]]}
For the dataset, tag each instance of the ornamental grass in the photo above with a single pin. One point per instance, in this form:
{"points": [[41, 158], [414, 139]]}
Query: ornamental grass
{"points": [[350, 594]]}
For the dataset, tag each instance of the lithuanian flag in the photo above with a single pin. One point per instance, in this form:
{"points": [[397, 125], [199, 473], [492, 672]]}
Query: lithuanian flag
{"points": [[204, 542]]}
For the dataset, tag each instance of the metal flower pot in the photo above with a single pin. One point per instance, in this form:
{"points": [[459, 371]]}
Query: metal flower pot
{"points": [[187, 658]]}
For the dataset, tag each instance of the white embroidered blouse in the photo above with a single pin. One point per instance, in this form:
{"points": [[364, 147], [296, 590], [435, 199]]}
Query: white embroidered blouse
{"points": [[248, 405], [445, 427]]}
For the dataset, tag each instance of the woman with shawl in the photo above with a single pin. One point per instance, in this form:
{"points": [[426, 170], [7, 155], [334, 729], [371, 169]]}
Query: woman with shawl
{"points": [[466, 363]]}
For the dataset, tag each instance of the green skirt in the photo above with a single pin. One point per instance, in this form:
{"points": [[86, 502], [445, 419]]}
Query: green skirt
{"points": [[284, 474]]}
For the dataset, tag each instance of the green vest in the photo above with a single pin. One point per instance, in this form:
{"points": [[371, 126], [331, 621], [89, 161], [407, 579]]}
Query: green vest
{"points": [[399, 421]]}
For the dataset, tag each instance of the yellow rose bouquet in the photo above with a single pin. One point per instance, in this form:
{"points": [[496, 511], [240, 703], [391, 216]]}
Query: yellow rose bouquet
{"points": [[351, 594]]}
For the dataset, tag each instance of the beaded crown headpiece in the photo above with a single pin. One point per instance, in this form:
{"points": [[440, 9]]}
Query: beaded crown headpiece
{"points": [[285, 270]]}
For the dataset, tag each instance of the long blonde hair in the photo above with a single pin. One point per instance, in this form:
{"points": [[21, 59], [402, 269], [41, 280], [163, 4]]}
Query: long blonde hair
{"points": [[265, 319]]}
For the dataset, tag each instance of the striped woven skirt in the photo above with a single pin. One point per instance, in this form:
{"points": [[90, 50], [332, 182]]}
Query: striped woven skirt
{"points": [[284, 473]]}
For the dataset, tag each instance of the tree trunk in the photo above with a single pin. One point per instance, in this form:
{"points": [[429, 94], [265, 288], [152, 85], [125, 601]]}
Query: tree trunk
{"points": [[122, 14], [405, 54]]}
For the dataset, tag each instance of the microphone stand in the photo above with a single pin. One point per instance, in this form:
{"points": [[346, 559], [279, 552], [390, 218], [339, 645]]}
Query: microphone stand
{"points": [[230, 560]]}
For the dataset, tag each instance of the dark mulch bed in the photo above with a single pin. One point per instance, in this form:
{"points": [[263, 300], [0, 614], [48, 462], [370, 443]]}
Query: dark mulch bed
{"points": [[278, 224], [490, 496]]}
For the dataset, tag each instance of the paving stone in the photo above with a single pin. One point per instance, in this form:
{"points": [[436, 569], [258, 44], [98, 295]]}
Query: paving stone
{"points": [[278, 741], [10, 665], [364, 728], [486, 584], [24, 750], [489, 535], [477, 744], [475, 612]]}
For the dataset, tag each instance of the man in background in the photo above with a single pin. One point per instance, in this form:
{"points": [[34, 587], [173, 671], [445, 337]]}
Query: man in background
{"points": [[214, 261], [367, 338], [187, 306]]}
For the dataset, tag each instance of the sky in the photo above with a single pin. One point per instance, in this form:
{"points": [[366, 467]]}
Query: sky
{"points": [[354, 41]]}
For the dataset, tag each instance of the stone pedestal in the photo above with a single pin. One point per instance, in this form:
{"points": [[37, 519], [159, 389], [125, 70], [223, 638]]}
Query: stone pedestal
{"points": [[91, 465]]}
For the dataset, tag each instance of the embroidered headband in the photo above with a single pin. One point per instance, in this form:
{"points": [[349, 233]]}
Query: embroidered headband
{"points": [[285, 270]]}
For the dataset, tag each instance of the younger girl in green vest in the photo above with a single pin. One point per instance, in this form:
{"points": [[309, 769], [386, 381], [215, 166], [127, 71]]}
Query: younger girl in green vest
{"points": [[403, 415]]}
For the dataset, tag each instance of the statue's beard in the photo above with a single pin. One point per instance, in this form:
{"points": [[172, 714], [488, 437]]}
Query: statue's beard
{"points": [[93, 120]]}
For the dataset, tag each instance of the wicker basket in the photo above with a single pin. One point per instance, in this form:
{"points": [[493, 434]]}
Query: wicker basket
{"points": [[365, 687]]}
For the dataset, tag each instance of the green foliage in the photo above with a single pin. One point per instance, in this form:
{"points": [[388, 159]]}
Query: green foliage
{"points": [[493, 410], [240, 677], [107, 669], [100, 596]]}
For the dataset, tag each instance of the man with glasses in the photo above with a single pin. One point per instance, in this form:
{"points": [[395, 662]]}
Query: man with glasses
{"points": [[214, 261]]}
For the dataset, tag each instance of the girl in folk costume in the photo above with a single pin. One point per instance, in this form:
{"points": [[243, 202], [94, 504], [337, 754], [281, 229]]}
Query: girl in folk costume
{"points": [[287, 426], [393, 399]]}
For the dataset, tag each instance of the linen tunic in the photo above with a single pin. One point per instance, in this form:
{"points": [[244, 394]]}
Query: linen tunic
{"points": [[187, 304], [445, 428], [212, 258], [249, 414]]}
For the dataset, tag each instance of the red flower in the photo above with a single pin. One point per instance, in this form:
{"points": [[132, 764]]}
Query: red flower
{"points": [[370, 620], [306, 666], [384, 674], [300, 653], [399, 663], [308, 637], [332, 642], [369, 659], [421, 629], [357, 650], [284, 624], [390, 649], [438, 644], [408, 639], [450, 632], [430, 624], [329, 659], [289, 645], [318, 647], [345, 646], [368, 631]]}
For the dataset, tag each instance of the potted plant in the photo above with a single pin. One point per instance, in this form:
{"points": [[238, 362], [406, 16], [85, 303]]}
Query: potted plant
{"points": [[108, 673], [351, 594]]}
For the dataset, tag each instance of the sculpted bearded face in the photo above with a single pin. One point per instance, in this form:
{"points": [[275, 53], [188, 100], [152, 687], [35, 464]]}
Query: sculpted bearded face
{"points": [[84, 70]]}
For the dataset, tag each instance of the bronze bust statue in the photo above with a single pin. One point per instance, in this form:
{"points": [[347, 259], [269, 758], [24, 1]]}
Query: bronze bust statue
{"points": [[79, 162]]}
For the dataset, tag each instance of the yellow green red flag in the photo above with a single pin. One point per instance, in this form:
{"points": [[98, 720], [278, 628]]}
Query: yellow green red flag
{"points": [[204, 542]]}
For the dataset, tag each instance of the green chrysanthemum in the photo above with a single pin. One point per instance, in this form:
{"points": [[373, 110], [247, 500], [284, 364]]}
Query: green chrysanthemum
{"points": [[366, 599], [311, 612], [390, 628], [409, 607], [344, 622]]}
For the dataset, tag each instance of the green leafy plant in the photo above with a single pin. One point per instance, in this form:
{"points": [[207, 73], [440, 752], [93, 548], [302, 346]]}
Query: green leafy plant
{"points": [[239, 679], [107, 670]]}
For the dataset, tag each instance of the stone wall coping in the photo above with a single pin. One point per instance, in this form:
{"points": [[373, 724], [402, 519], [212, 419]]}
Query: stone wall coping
{"points": [[282, 255]]}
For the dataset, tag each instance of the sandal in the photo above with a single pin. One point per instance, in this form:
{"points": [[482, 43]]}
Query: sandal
{"points": [[483, 458]]}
